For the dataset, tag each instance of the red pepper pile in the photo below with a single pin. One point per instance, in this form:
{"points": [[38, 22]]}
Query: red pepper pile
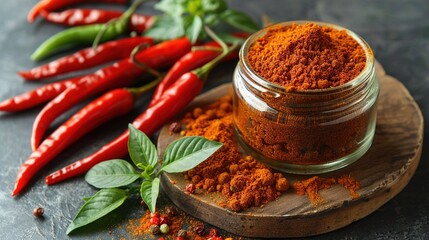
{"points": [[176, 89]]}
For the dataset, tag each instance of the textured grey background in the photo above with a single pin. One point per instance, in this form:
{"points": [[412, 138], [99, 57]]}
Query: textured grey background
{"points": [[398, 31]]}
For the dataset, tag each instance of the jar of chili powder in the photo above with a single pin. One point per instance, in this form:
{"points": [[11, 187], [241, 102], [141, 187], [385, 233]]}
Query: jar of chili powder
{"points": [[312, 128]]}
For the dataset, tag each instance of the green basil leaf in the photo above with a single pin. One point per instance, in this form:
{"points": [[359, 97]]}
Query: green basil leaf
{"points": [[211, 19], [141, 148], [110, 174], [193, 27], [149, 192], [172, 7], [166, 27], [186, 153], [102, 203], [214, 6], [239, 20], [195, 8], [228, 38]]}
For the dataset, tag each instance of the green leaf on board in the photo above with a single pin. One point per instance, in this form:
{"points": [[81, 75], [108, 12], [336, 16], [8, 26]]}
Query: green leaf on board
{"points": [[186, 153]]}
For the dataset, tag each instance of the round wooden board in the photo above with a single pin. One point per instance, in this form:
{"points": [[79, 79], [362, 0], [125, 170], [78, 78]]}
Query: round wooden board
{"points": [[383, 172]]}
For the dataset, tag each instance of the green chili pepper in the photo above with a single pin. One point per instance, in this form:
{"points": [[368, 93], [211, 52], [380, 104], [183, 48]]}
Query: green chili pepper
{"points": [[85, 35]]}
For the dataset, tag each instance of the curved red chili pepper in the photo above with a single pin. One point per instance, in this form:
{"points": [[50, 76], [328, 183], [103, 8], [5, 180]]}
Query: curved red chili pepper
{"points": [[86, 58], [52, 5], [78, 17], [112, 104], [120, 74], [174, 100], [189, 62], [36, 96]]}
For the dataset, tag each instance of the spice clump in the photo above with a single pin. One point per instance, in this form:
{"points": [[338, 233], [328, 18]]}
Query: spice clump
{"points": [[308, 56], [243, 180]]}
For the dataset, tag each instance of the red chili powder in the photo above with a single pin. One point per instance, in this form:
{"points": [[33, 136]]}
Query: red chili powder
{"points": [[307, 56]]}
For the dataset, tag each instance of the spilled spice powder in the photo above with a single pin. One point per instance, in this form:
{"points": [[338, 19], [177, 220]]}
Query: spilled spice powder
{"points": [[243, 180], [351, 184], [311, 187]]}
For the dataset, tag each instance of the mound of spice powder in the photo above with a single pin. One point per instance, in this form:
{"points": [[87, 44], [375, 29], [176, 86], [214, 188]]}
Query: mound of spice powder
{"points": [[243, 180], [306, 56]]}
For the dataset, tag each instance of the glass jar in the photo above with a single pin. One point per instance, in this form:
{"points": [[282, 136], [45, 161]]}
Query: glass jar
{"points": [[305, 131]]}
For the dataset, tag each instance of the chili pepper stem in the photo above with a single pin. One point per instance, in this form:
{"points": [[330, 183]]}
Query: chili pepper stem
{"points": [[142, 65], [203, 71], [124, 17], [145, 88], [206, 48]]}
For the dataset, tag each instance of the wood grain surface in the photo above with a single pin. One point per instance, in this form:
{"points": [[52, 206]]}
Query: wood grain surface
{"points": [[383, 172]]}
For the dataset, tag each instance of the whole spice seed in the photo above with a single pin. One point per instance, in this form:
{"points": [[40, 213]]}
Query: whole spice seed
{"points": [[182, 233], [190, 188], [175, 127], [164, 228], [154, 229], [163, 220], [171, 211], [38, 212], [199, 229], [154, 220], [213, 232]]}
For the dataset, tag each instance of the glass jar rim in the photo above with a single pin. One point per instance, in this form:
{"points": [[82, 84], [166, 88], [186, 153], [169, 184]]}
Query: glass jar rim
{"points": [[359, 79]]}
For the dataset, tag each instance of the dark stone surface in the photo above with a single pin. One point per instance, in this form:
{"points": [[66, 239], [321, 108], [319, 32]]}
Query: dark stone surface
{"points": [[398, 31]]}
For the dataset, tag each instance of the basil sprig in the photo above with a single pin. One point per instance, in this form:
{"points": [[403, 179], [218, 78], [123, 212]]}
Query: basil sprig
{"points": [[117, 177], [187, 18]]}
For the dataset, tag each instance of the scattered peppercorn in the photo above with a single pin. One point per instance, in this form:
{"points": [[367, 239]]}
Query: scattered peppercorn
{"points": [[164, 220], [199, 229], [154, 220], [164, 228], [182, 233], [171, 211], [38, 212], [175, 127], [154, 229], [190, 188], [213, 232]]}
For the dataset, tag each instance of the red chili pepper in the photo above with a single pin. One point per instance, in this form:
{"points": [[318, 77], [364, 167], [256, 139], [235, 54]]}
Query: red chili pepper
{"points": [[190, 61], [174, 100], [53, 5], [120, 74], [112, 104], [37, 96], [87, 58], [78, 17]]}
